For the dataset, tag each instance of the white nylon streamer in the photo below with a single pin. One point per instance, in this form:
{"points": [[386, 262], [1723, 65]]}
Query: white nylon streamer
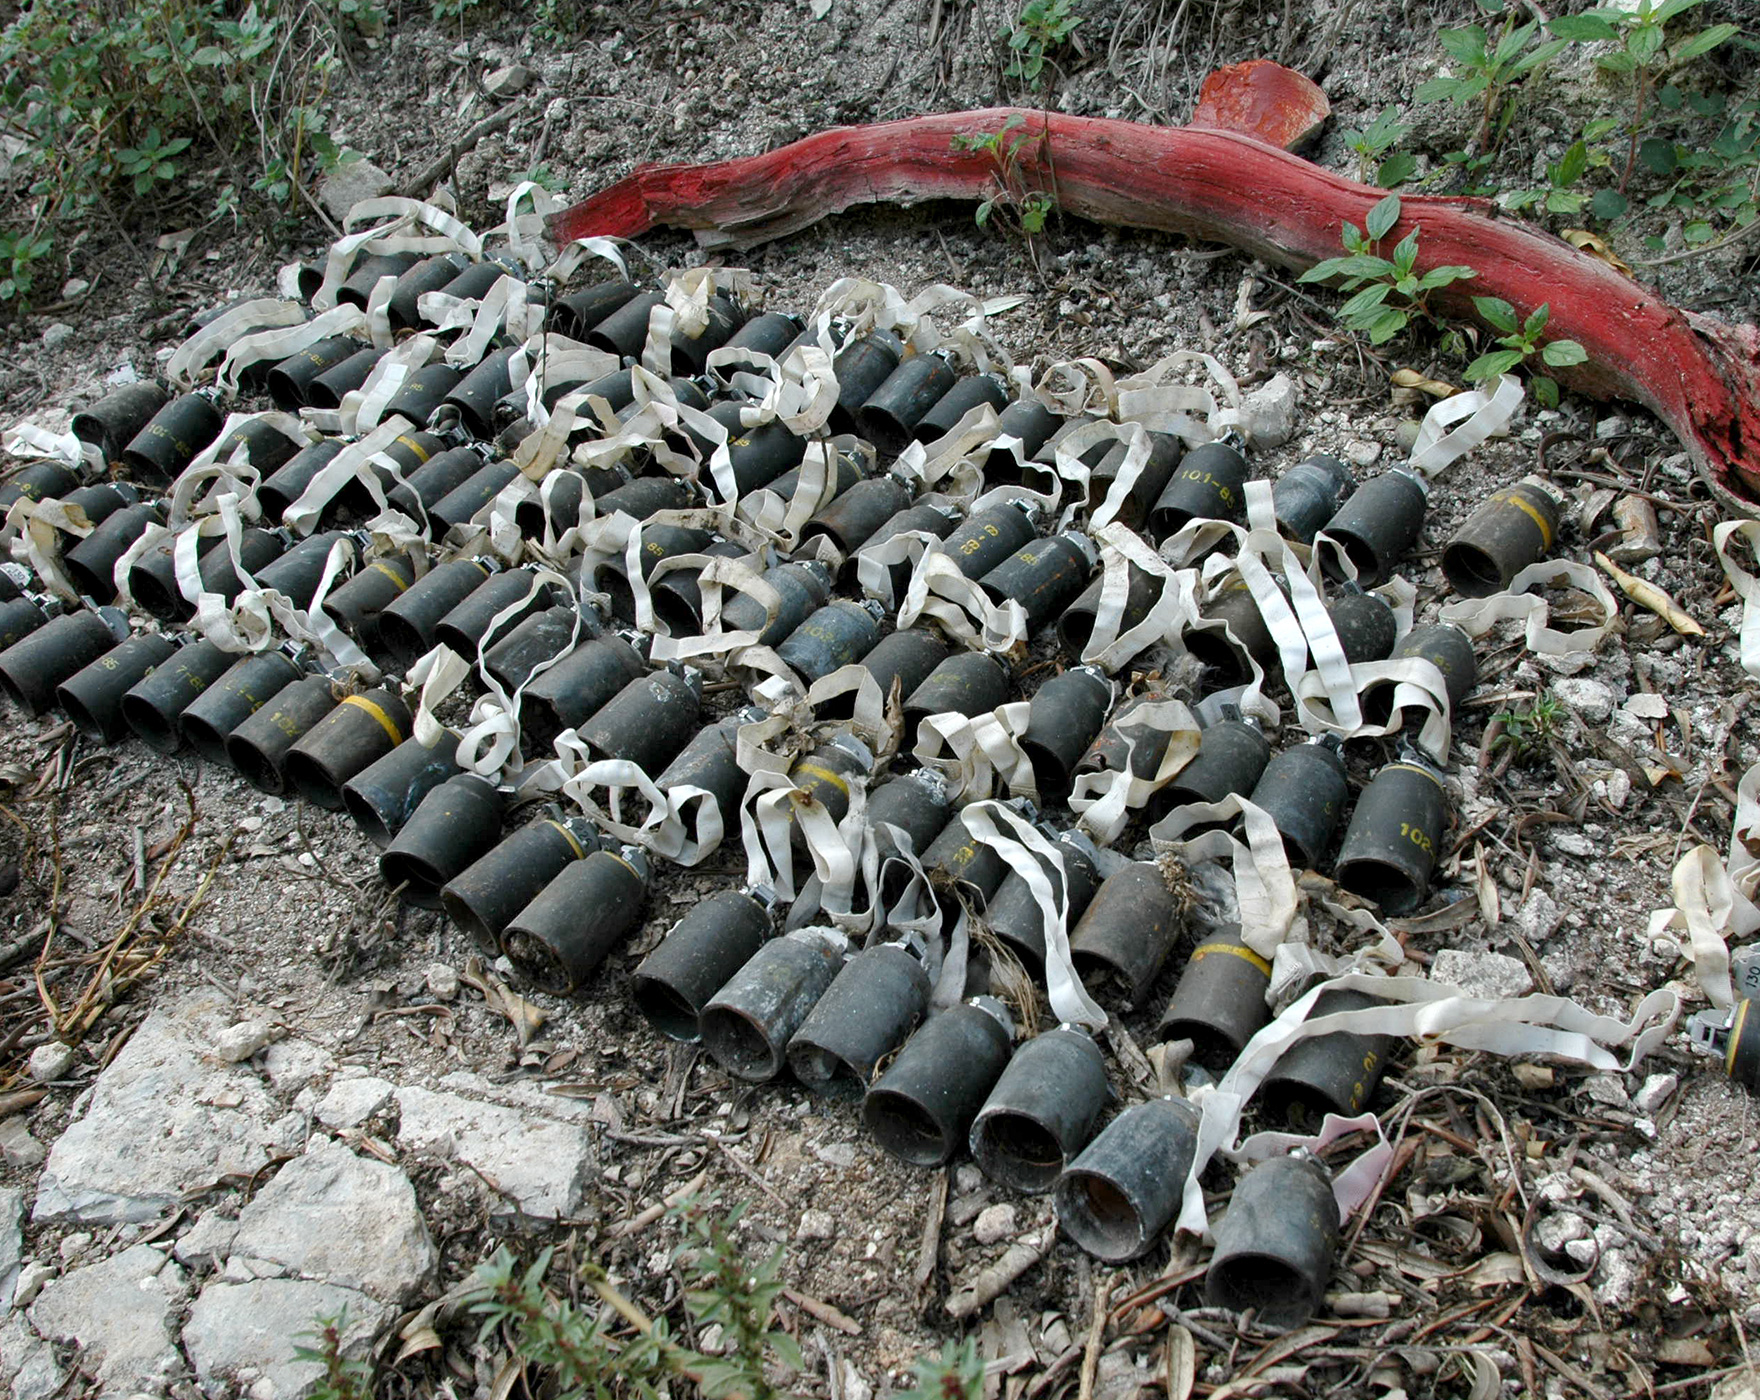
{"points": [[1715, 899], [1747, 587], [190, 358], [1029, 853], [1477, 616], [1417, 1007], [278, 344], [975, 752], [1443, 437], [1104, 800]]}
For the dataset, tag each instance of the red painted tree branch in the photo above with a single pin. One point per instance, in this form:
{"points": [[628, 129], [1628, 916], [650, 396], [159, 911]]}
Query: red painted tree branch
{"points": [[1699, 375]]}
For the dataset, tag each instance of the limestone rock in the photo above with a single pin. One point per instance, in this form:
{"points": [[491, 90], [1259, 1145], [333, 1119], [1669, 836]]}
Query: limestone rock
{"points": [[541, 1164], [28, 1369], [155, 1126], [240, 1042], [348, 184], [258, 1324], [206, 1243], [1589, 699], [510, 81], [17, 1145], [294, 1063], [351, 1102], [342, 1218], [1271, 411], [51, 1061], [1491, 976], [11, 1239], [57, 335], [995, 1224], [120, 1313]]}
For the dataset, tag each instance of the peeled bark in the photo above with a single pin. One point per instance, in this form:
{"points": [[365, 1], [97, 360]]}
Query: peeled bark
{"points": [[1699, 375]]}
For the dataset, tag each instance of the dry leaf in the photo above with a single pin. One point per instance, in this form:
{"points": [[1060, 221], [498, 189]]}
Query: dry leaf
{"points": [[1596, 247], [1534, 1076], [1495, 1270], [1648, 595], [1487, 1384], [526, 1016], [1182, 1362], [1412, 379], [1684, 1351], [1490, 909]]}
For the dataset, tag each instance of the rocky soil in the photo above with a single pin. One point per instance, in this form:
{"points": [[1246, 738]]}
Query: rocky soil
{"points": [[288, 1095]]}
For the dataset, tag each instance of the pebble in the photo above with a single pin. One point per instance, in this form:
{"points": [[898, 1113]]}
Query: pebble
{"points": [[31, 1278], [1363, 454], [442, 981], [1656, 1090], [1589, 699], [1270, 410], [995, 1224], [1490, 976], [74, 287], [241, 1041], [57, 335], [1647, 705], [74, 1243], [816, 1225], [510, 81], [1572, 843], [51, 1062], [18, 1146]]}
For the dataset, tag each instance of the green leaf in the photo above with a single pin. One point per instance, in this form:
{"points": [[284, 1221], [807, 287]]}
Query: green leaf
{"points": [[1603, 126], [1493, 364], [1705, 41], [1512, 43], [1538, 58], [1447, 273], [1352, 238], [1668, 9], [1496, 313], [1387, 325], [1357, 265], [1697, 232], [1617, 62], [1657, 155], [1583, 29], [1571, 164], [983, 214], [1560, 353], [1383, 217], [1357, 309], [1405, 253], [1644, 42], [1536, 322], [1565, 202], [1437, 90], [1608, 204], [1396, 169], [1464, 45], [1545, 390]]}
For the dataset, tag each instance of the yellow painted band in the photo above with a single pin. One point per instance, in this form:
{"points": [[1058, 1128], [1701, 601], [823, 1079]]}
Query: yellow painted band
{"points": [[382, 567], [569, 837], [1234, 950], [824, 774], [422, 453], [1527, 509], [1414, 768], [385, 720], [1735, 1036]]}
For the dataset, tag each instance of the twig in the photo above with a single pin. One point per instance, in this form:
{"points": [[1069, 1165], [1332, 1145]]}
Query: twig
{"points": [[435, 170], [1703, 248], [1091, 1354]]}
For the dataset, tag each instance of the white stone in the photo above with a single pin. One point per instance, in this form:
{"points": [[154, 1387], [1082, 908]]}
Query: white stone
{"points": [[57, 335], [1537, 917], [837, 1154], [240, 1042], [348, 184], [995, 1224], [1656, 1090], [351, 1102], [11, 1238], [1588, 698], [1270, 411], [74, 288], [120, 1312], [1572, 843], [443, 980], [233, 1327], [1646, 705], [342, 1218], [153, 1127], [51, 1061], [206, 1244], [1490, 976], [510, 81], [74, 1245], [28, 1369], [18, 1146], [31, 1278], [1363, 454], [816, 1225], [542, 1165], [294, 1063]]}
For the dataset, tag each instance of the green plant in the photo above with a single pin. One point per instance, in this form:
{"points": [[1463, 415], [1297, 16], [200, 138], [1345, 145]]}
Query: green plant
{"points": [[151, 161], [19, 255], [1641, 53], [1041, 27], [1559, 195], [1490, 71], [1027, 209], [1372, 145], [1718, 180], [456, 9], [591, 1352], [957, 1374], [1520, 343], [1390, 291], [1528, 734], [343, 1378]]}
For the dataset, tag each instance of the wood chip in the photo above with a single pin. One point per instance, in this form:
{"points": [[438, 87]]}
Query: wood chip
{"points": [[1648, 595]]}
